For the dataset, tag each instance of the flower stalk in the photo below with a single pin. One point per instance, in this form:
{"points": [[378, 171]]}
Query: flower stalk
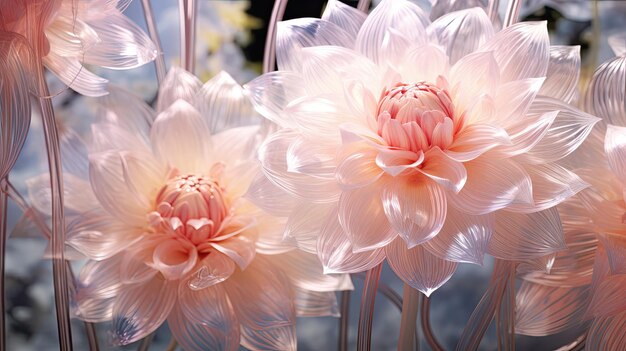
{"points": [[159, 61], [188, 10], [425, 320], [363, 5], [3, 238], [366, 314], [410, 303], [512, 13], [505, 316], [343, 321], [269, 54]]}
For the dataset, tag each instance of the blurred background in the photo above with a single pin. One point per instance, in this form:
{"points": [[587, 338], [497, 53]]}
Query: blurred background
{"points": [[231, 37]]}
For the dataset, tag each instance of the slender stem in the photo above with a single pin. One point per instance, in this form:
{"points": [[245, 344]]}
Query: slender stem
{"points": [[386, 290], [343, 320], [505, 316], [188, 10], [172, 345], [493, 10], [425, 319], [60, 279], [159, 61], [366, 314], [3, 238], [512, 13], [92, 336], [363, 5], [269, 55], [408, 322], [28, 211], [145, 343]]}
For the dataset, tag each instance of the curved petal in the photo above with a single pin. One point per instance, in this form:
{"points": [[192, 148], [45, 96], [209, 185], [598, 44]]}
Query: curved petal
{"points": [[295, 34], [419, 268], [472, 76], [75, 76], [111, 136], [544, 310], [476, 139], [100, 236], [615, 247], [97, 286], [362, 215], [527, 236], [463, 238], [521, 50], [617, 42], [415, 207], [344, 16], [491, 185], [397, 162], [178, 84], [141, 308], [210, 306], [514, 98], [261, 296], [563, 73], [615, 149], [239, 248], [306, 271], [424, 63], [318, 117], [607, 333], [444, 170], [462, 32], [214, 268], [269, 197], [357, 169], [174, 258], [609, 296], [336, 252], [197, 336], [402, 17], [304, 224], [316, 303], [181, 139], [128, 112], [605, 96], [277, 338], [525, 134], [77, 194]]}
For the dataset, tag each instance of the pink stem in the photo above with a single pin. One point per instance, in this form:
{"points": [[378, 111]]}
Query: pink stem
{"points": [[363, 5], [408, 323], [370, 285], [493, 10], [425, 319], [188, 10], [269, 55], [343, 321], [159, 62], [512, 13], [505, 316], [3, 241]]}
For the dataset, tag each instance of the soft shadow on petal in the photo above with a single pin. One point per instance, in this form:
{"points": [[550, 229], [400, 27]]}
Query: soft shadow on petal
{"points": [[415, 207], [491, 185], [472, 76], [192, 335], [141, 308], [463, 238], [544, 310], [607, 333], [521, 50], [346, 17], [180, 138], [174, 258], [605, 96], [462, 32], [336, 252], [75, 76], [362, 215], [444, 170], [316, 303], [304, 224], [526, 236], [295, 34], [563, 73], [178, 84], [276, 338], [419, 268]]}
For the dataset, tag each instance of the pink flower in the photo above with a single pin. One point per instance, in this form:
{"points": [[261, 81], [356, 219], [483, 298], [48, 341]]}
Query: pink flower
{"points": [[588, 281], [425, 143], [71, 33], [169, 235]]}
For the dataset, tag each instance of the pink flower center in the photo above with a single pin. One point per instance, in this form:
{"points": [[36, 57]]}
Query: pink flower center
{"points": [[190, 206], [417, 117]]}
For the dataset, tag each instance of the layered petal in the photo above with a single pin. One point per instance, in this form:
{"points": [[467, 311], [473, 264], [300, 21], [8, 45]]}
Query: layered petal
{"points": [[615, 149], [563, 73], [346, 17], [194, 335], [606, 333], [75, 76], [605, 96]]}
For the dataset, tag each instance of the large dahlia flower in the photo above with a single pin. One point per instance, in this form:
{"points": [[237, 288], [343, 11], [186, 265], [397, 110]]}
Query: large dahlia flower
{"points": [[68, 34], [428, 143], [586, 288], [169, 235]]}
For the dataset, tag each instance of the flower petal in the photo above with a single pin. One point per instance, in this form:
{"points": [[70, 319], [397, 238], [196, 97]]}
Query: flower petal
{"points": [[526, 236], [521, 50], [178, 84], [210, 306], [128, 112], [444, 170], [336, 252], [462, 32], [463, 238], [214, 268], [77, 194], [605, 96], [141, 308], [316, 303], [318, 116], [514, 98], [615, 149], [306, 271], [100, 236], [472, 76], [607, 333], [609, 296], [415, 207], [563, 73], [97, 287], [276, 338], [424, 63], [525, 134], [194, 335], [476, 139], [615, 246], [174, 258], [346, 17], [239, 248], [418, 267], [357, 167], [304, 224], [75, 76]]}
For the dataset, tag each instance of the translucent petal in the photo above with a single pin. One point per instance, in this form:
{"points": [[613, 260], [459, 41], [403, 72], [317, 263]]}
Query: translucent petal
{"points": [[544, 310], [552, 184], [141, 308], [240, 249], [472, 76], [463, 238], [525, 134], [100, 236], [272, 155], [514, 98], [143, 174], [174, 259], [75, 76], [97, 286], [491, 185], [563, 73], [525, 236], [462, 32], [304, 224], [275, 338], [609, 297], [415, 207], [362, 215], [618, 44], [615, 246], [316, 303], [213, 269], [569, 129], [272, 92], [442, 7], [444, 170], [181, 139], [336, 252], [424, 63], [210, 306], [223, 104], [319, 116], [521, 50], [269, 197], [127, 111], [121, 45], [418, 267], [346, 17], [305, 271], [476, 139], [615, 149], [261, 296], [234, 146], [607, 333], [195, 336], [178, 84], [357, 169], [77, 194], [406, 18], [605, 96], [111, 136], [296, 34]]}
